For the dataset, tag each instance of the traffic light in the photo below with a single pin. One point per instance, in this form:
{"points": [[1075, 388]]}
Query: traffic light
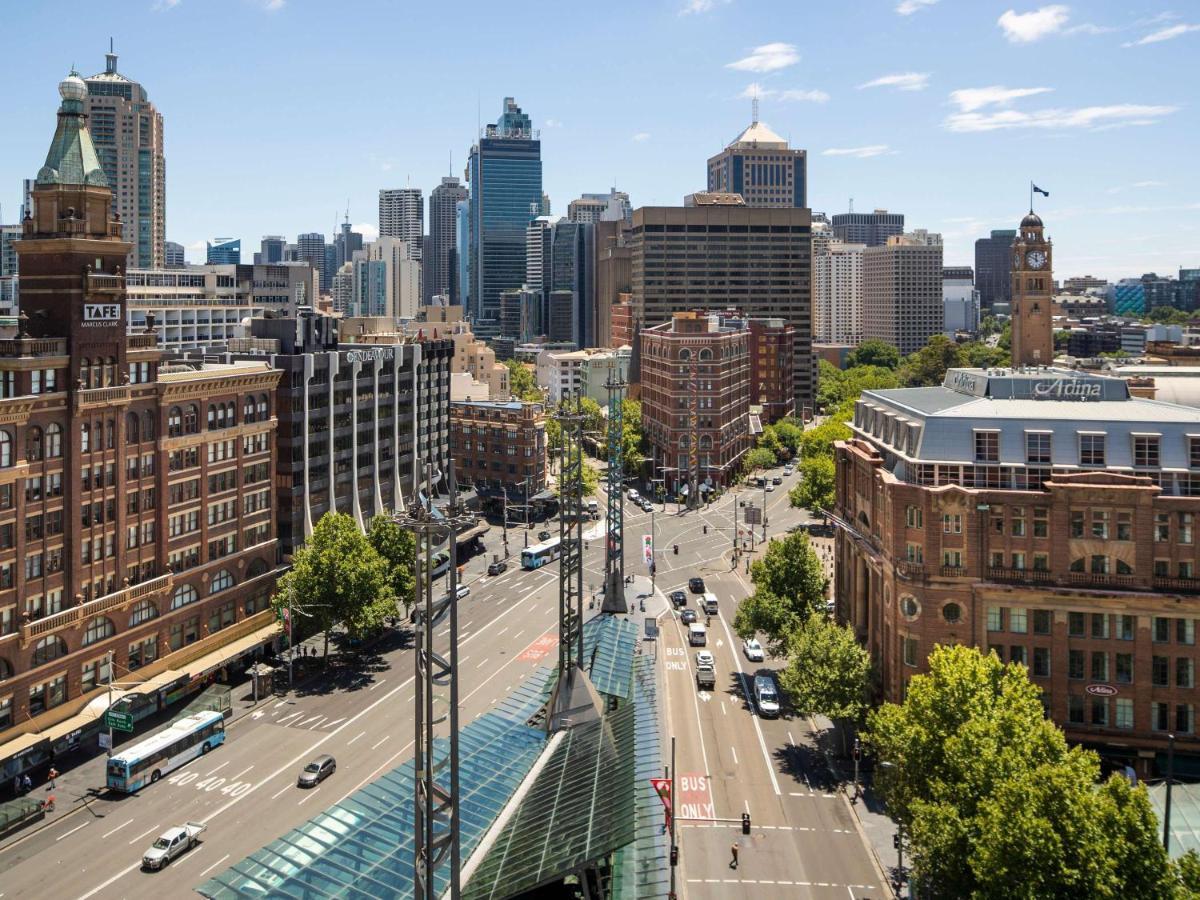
{"points": [[857, 749], [674, 855], [745, 823], [896, 841]]}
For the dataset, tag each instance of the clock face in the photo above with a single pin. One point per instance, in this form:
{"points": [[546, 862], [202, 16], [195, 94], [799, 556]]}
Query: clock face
{"points": [[1035, 258]]}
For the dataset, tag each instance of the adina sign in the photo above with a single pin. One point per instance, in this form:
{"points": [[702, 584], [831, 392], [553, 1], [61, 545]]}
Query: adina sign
{"points": [[1102, 690], [1066, 389]]}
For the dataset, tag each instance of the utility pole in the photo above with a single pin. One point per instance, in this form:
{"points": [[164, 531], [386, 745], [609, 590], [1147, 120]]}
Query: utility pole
{"points": [[1167, 805], [673, 850], [107, 718], [614, 544]]}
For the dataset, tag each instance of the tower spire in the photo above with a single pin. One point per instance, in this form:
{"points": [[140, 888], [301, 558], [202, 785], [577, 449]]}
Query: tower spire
{"points": [[110, 59], [754, 108]]}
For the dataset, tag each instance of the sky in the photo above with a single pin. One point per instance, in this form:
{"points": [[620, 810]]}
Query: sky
{"points": [[279, 113]]}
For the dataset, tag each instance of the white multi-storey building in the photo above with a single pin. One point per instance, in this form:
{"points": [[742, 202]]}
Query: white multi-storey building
{"points": [[402, 215], [838, 292]]}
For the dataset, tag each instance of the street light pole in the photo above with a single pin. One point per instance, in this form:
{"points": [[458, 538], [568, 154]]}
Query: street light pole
{"points": [[1167, 805], [107, 716]]}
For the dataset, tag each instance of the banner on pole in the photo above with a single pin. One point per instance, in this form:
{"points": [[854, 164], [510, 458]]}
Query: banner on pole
{"points": [[648, 548]]}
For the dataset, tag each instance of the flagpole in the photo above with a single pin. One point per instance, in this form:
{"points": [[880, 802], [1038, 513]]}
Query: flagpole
{"points": [[1031, 195]]}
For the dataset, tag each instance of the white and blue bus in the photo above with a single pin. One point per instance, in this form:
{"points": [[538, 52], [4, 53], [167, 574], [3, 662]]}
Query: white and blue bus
{"points": [[147, 761], [539, 554]]}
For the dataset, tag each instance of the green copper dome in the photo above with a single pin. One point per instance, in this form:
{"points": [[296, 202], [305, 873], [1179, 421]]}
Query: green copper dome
{"points": [[72, 158]]}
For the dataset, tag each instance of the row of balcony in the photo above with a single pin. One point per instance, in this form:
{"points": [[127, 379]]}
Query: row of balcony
{"points": [[85, 611], [919, 571]]}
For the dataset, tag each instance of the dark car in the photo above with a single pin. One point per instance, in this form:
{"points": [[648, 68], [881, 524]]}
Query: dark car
{"points": [[497, 567], [688, 616], [317, 771], [678, 598], [778, 479], [543, 535], [696, 585]]}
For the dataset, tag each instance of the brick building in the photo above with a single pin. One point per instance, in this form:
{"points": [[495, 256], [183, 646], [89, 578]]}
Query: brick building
{"points": [[499, 448], [772, 372], [695, 390], [135, 496], [1046, 515]]}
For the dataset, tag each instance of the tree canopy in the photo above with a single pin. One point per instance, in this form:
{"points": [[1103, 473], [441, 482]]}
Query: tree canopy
{"points": [[398, 548], [521, 383], [927, 367], [760, 458], [789, 585], [873, 352], [828, 673], [817, 486], [1167, 315]]}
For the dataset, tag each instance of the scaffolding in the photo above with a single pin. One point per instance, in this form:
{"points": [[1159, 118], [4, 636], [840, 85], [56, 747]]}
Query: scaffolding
{"points": [[614, 543]]}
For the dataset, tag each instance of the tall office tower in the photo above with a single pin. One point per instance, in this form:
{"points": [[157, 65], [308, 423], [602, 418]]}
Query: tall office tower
{"points": [[173, 255], [462, 255], [902, 292], [572, 264], [127, 132], [224, 252], [346, 243], [611, 207], [437, 266], [402, 215], [504, 174], [544, 205], [838, 292], [26, 198], [761, 167], [993, 270], [612, 276], [273, 248], [1032, 295], [402, 276], [872, 229], [539, 253], [342, 289], [960, 301], [718, 256], [310, 248]]}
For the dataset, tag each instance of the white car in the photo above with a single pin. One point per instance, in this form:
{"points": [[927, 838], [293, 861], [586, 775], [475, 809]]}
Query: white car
{"points": [[704, 658], [770, 487], [787, 470], [462, 591], [753, 650]]}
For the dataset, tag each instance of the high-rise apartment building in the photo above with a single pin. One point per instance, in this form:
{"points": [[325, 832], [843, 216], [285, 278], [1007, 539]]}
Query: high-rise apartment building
{"points": [[872, 229], [1032, 295], [402, 215], [127, 132], [272, 250], [838, 292], [401, 274], [902, 292], [993, 270], [438, 266], [760, 166], [504, 173], [346, 243], [224, 252], [611, 207], [960, 301], [572, 261], [755, 260], [539, 254], [173, 255], [9, 235], [310, 248]]}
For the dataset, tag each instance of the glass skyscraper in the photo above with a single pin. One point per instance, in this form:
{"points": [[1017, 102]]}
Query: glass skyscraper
{"points": [[505, 179]]}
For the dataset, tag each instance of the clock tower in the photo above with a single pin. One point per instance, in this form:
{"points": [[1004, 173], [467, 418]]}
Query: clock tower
{"points": [[1032, 295]]}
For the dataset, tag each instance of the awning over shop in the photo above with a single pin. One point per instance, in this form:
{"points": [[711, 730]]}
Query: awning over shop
{"points": [[230, 652]]}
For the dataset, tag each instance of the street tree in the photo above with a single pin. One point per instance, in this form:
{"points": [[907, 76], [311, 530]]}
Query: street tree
{"points": [[927, 367], [816, 488], [337, 576], [873, 352], [398, 547], [828, 673], [769, 441], [760, 458], [819, 440], [521, 383], [789, 434], [789, 586], [837, 389]]}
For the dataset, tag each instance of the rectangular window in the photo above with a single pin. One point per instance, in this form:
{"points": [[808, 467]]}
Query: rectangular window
{"points": [[1041, 522], [995, 619], [1018, 620], [1076, 623], [1041, 621], [1124, 526], [1145, 451], [1037, 447], [1185, 631], [1075, 710], [1041, 562], [1160, 668], [1184, 719], [1124, 710], [987, 446], [1194, 452], [910, 651], [1124, 668], [1126, 627], [1076, 524], [952, 523], [952, 559], [1159, 717], [1041, 662], [914, 517], [915, 553], [1100, 524], [1099, 665], [1100, 626], [1075, 664], [1099, 710], [1162, 630], [1162, 527], [1185, 527], [1016, 654], [1091, 449], [1184, 672], [1018, 561], [1016, 521]]}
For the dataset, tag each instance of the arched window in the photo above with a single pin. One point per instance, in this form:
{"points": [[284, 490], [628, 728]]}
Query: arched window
{"points": [[705, 354], [143, 612], [33, 444], [258, 567], [1078, 565], [212, 416], [184, 594], [53, 441], [132, 428], [685, 354], [705, 442], [175, 422], [248, 410], [149, 428], [231, 413], [191, 419], [6, 669], [263, 408], [48, 649], [98, 629], [222, 581], [6, 449], [85, 372]]}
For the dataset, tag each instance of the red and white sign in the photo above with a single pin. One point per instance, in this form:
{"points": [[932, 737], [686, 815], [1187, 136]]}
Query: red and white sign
{"points": [[1102, 690], [662, 787], [539, 649], [695, 798]]}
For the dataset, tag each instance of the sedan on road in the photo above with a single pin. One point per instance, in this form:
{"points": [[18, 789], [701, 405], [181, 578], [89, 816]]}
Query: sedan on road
{"points": [[696, 585], [688, 616], [647, 506], [497, 567], [678, 598], [317, 771], [753, 650], [770, 487], [543, 535], [704, 658], [463, 591]]}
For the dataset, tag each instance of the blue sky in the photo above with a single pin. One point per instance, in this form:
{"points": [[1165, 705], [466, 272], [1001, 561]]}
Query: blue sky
{"points": [[278, 111]]}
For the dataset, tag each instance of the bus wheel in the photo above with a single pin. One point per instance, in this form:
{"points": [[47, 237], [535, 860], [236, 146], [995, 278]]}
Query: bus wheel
{"points": [[204, 748], [155, 775]]}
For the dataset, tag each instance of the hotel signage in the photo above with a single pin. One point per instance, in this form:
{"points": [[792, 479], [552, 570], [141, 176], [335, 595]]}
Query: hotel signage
{"points": [[379, 354], [1067, 389]]}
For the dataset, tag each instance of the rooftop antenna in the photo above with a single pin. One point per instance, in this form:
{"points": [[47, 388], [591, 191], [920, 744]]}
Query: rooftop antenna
{"points": [[851, 204], [754, 108]]}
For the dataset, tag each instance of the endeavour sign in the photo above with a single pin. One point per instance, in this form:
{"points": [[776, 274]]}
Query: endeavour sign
{"points": [[378, 354]]}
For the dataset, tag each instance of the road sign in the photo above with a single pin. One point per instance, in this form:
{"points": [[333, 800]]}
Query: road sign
{"points": [[119, 721], [753, 515]]}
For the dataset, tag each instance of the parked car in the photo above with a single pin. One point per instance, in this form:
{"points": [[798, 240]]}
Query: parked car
{"points": [[705, 658], [688, 616], [634, 495], [497, 567], [647, 506], [172, 843], [317, 771], [544, 535], [696, 584], [753, 650], [766, 698], [678, 598], [463, 591]]}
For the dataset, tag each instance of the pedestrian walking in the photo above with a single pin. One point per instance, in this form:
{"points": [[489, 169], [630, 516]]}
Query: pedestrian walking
{"points": [[53, 775], [733, 863], [26, 784]]}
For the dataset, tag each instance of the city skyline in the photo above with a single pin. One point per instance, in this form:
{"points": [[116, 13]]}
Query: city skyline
{"points": [[948, 132]]}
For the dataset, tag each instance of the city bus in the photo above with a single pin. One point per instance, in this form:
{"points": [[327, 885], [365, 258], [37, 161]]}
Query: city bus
{"points": [[539, 554], [148, 760]]}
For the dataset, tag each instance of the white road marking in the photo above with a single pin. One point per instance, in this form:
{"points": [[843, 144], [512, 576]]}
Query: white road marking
{"points": [[142, 835], [762, 743], [791, 740], [482, 664], [241, 773], [309, 719], [308, 794], [118, 828], [213, 866], [279, 704], [382, 741], [71, 832], [292, 716], [382, 766], [331, 724], [733, 750], [376, 684], [282, 791], [218, 768], [355, 738], [498, 633]]}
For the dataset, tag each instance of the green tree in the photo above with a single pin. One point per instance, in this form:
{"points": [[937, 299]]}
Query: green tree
{"points": [[837, 388], [1167, 315], [816, 489], [819, 441], [874, 352], [981, 355], [927, 367], [1005, 342], [759, 458], [521, 383], [789, 585], [398, 548], [1062, 337], [769, 441], [988, 326], [1187, 873], [789, 434], [590, 478], [828, 673], [337, 576], [633, 442]]}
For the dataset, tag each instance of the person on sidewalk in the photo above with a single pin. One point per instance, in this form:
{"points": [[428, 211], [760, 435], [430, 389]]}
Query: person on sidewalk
{"points": [[52, 775], [733, 863]]}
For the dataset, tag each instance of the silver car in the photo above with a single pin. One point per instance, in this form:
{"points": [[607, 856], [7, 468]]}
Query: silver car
{"points": [[317, 771]]}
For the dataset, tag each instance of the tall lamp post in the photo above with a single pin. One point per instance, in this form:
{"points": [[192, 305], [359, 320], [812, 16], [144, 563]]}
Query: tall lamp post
{"points": [[898, 839]]}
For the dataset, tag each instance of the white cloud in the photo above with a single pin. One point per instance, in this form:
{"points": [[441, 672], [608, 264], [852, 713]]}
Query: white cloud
{"points": [[1163, 34], [164, 5], [767, 58], [1137, 185], [901, 81], [860, 152], [367, 230], [1087, 117], [971, 99], [273, 5], [1023, 28], [641, 136], [697, 7], [1091, 28], [789, 95], [552, 123], [908, 7]]}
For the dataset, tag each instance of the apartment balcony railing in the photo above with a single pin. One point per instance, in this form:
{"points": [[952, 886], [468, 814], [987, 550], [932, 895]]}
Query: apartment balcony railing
{"points": [[1184, 585], [910, 570], [104, 396], [953, 571], [1097, 579], [70, 618], [142, 341], [33, 347], [1021, 576]]}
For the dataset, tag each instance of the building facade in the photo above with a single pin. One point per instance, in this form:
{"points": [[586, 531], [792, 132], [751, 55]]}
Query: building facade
{"points": [[1046, 515], [440, 265], [960, 301], [402, 216], [772, 372], [902, 293], [310, 248], [500, 448], [838, 292], [173, 255], [993, 270], [760, 166], [127, 133], [695, 380], [755, 260], [1032, 295], [224, 252], [611, 207], [872, 229]]}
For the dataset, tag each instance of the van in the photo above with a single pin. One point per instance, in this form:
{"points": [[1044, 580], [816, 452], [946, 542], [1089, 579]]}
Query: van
{"points": [[766, 698], [697, 635], [593, 508], [710, 604]]}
